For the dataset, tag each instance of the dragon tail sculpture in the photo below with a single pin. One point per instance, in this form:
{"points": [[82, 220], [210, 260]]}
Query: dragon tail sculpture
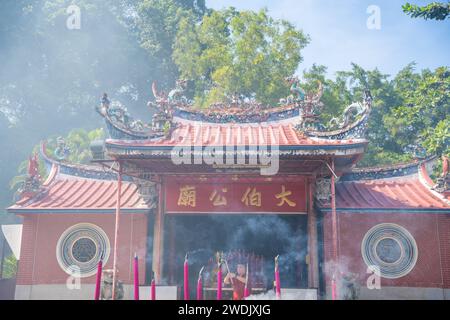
{"points": [[159, 96]]}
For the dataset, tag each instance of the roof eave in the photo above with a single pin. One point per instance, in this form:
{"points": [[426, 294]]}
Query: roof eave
{"points": [[388, 210], [26, 211]]}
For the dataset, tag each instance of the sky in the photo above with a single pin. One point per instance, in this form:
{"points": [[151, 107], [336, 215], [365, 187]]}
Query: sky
{"points": [[339, 33]]}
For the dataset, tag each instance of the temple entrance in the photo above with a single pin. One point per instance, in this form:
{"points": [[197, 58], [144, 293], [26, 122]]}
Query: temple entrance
{"points": [[253, 239]]}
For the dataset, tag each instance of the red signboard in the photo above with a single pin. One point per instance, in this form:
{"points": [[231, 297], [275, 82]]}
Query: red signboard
{"points": [[235, 197]]}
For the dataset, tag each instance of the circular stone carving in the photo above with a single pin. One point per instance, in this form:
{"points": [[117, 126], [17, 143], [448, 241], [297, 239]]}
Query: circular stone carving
{"points": [[84, 250], [80, 248], [391, 248]]}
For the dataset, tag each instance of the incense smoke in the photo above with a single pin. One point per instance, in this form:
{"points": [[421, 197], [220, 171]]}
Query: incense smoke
{"points": [[264, 235]]}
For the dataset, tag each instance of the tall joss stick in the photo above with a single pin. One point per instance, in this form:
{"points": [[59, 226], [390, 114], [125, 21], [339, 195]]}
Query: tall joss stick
{"points": [[228, 269], [186, 278], [246, 290], [219, 280], [277, 279], [116, 230], [98, 278], [136, 277], [333, 288], [334, 231], [153, 287], [200, 285]]}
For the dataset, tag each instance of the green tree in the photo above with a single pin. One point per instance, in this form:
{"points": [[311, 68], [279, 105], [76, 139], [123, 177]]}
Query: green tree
{"points": [[336, 93], [409, 110], [433, 11], [238, 52], [156, 24], [52, 77], [348, 87], [423, 117], [9, 267], [77, 141]]}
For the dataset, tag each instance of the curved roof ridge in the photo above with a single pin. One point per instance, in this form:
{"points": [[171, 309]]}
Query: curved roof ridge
{"points": [[386, 172], [52, 175], [74, 169], [267, 115], [290, 120], [427, 182]]}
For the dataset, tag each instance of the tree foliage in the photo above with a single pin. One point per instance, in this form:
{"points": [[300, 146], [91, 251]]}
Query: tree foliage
{"points": [[9, 267], [433, 11], [424, 115], [77, 141], [156, 25], [53, 77], [409, 110], [238, 52]]}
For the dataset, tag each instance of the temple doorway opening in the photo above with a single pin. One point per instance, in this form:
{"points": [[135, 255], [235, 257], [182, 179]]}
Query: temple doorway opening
{"points": [[245, 239]]}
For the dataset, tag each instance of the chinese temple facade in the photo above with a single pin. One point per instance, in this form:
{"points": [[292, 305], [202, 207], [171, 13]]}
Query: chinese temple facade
{"points": [[245, 183]]}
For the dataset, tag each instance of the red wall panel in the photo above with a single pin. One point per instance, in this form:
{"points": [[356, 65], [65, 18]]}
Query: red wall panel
{"points": [[430, 231], [39, 265]]}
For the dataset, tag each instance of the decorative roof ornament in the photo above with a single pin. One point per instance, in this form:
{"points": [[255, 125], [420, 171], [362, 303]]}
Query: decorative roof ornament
{"points": [[352, 124], [105, 101], [121, 125], [62, 151], [367, 97], [418, 152], [443, 181], [298, 94], [119, 114], [353, 112], [33, 166], [32, 183], [301, 108], [161, 99], [176, 95], [310, 109], [350, 114], [162, 120]]}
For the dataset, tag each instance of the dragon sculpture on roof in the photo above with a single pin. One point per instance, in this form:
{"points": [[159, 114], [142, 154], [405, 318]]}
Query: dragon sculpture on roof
{"points": [[302, 106]]}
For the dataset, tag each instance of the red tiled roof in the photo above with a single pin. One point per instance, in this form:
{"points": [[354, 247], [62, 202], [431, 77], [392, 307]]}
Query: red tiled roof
{"points": [[198, 133], [398, 193], [75, 193]]}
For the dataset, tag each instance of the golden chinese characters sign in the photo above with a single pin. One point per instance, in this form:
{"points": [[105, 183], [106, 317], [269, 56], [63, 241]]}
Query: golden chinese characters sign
{"points": [[235, 197]]}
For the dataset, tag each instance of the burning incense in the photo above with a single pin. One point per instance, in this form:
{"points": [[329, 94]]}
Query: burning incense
{"points": [[228, 269], [153, 287], [200, 285], [186, 278], [136, 277], [277, 279], [219, 280], [98, 278], [246, 290], [333, 288]]}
